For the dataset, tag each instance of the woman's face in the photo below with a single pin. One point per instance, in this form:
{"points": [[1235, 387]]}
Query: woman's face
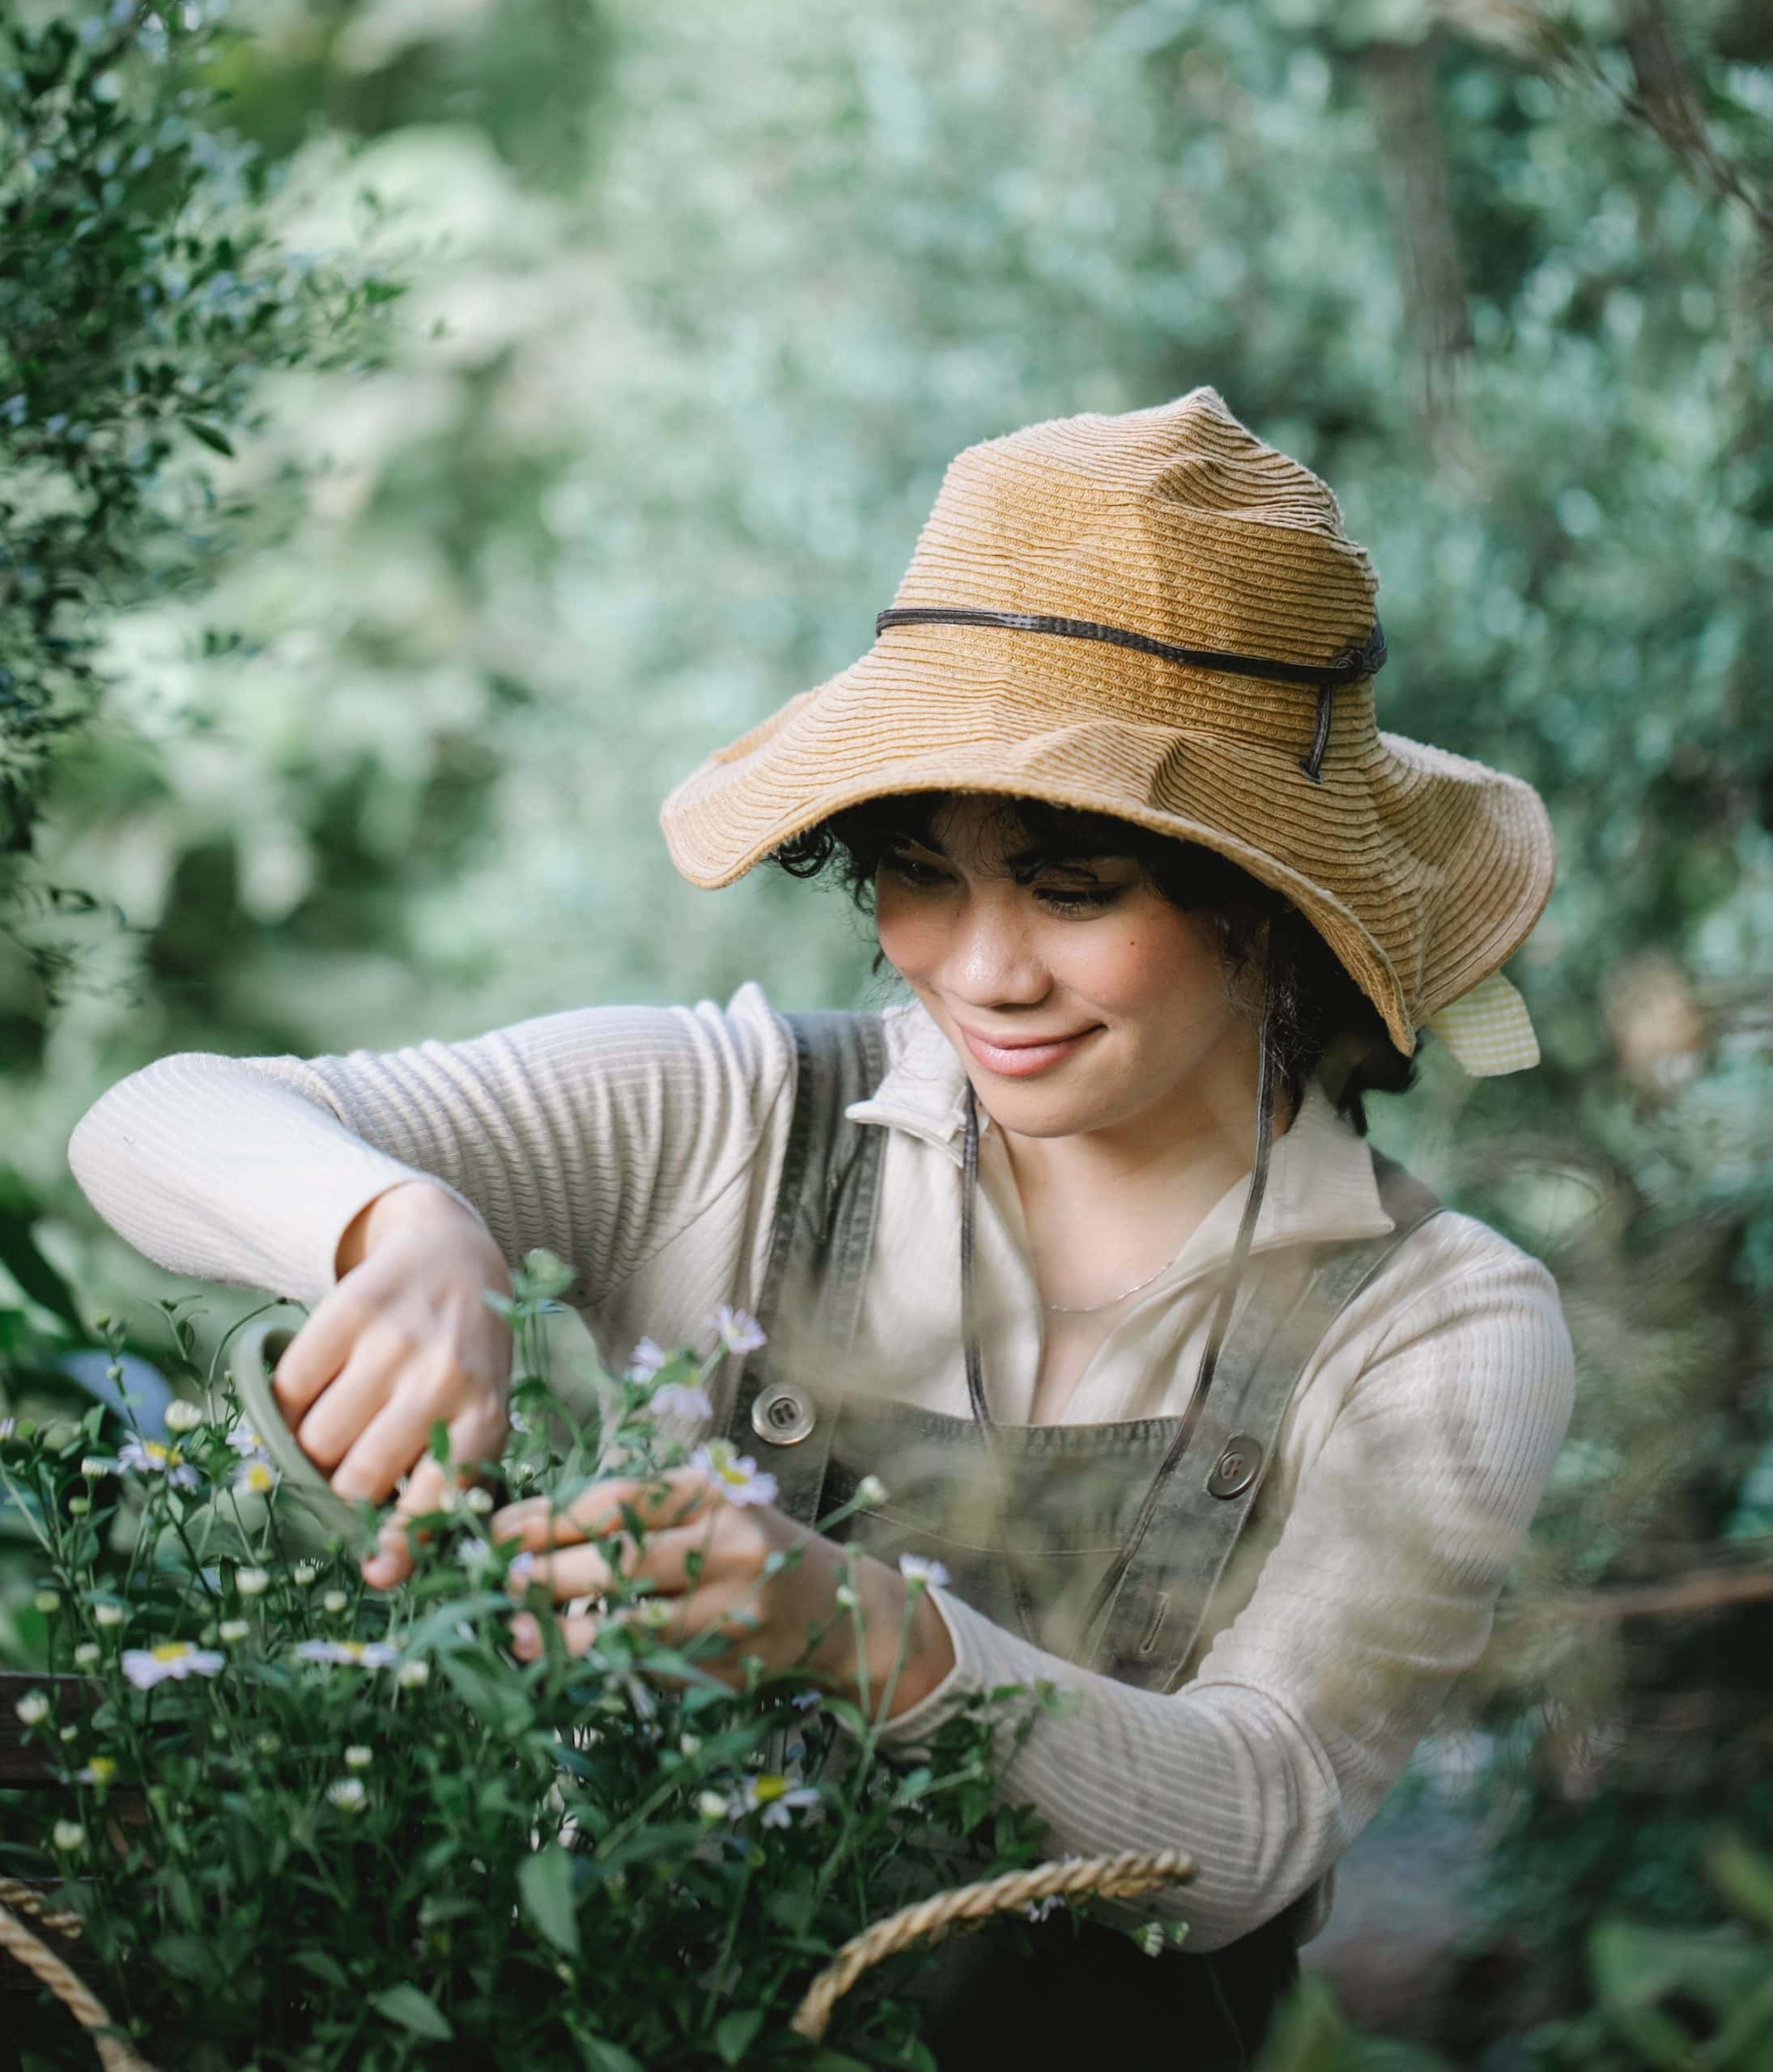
{"points": [[1077, 997]]}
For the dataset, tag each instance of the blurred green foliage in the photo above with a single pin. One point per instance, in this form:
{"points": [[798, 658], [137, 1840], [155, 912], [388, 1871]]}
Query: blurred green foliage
{"points": [[701, 299]]}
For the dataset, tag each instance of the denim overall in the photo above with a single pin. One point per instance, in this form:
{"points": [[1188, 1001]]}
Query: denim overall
{"points": [[1029, 1520]]}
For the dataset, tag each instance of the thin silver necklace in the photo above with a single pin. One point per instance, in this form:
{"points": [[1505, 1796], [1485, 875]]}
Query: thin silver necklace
{"points": [[1090, 1309]]}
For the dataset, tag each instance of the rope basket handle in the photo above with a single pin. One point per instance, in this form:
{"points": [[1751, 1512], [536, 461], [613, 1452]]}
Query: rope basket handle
{"points": [[115, 2053], [1127, 1876]]}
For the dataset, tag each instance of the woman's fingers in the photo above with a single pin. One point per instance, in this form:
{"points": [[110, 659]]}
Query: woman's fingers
{"points": [[527, 1643], [346, 1407], [477, 1435], [665, 1501], [395, 1439], [317, 1351], [672, 1561]]}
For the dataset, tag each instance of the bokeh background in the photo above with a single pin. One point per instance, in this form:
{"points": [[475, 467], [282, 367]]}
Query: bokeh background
{"points": [[550, 389]]}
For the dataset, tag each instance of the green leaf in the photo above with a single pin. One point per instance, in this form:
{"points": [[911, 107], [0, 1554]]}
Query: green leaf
{"points": [[414, 2010], [545, 1885], [188, 1957], [500, 1706], [1743, 1876], [734, 2033], [212, 435], [22, 1258], [327, 1969], [440, 1443], [601, 2055], [1636, 1970]]}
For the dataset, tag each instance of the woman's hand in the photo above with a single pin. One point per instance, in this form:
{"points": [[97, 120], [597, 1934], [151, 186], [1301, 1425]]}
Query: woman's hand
{"points": [[404, 1338], [723, 1568]]}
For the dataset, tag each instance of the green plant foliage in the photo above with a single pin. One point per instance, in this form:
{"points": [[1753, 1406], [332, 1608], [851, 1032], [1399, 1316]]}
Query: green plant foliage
{"points": [[141, 300], [306, 1825]]}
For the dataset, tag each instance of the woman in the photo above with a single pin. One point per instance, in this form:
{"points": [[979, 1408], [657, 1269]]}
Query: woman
{"points": [[1215, 1421]]}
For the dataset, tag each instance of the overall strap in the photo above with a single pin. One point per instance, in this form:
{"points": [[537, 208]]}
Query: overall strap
{"points": [[1149, 1626], [785, 1407]]}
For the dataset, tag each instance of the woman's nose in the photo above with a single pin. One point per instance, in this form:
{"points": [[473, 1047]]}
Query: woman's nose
{"points": [[994, 960]]}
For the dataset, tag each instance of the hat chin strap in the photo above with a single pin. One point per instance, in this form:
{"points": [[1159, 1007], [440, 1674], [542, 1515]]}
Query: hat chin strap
{"points": [[1223, 1307], [1354, 664]]}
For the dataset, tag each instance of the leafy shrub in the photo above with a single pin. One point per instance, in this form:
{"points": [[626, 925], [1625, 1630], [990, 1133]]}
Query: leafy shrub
{"points": [[306, 1825]]}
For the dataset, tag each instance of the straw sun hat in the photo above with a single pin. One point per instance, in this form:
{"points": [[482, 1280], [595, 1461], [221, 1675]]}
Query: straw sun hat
{"points": [[1158, 616]]}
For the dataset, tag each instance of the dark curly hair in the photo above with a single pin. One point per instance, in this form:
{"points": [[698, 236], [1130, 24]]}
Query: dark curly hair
{"points": [[1320, 1023]]}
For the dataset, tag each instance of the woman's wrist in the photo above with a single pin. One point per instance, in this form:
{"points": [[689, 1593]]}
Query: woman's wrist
{"points": [[907, 1641], [415, 1204]]}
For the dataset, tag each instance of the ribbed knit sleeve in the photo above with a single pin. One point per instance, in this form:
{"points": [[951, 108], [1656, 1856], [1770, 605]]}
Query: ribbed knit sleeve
{"points": [[1379, 1590], [603, 1133]]}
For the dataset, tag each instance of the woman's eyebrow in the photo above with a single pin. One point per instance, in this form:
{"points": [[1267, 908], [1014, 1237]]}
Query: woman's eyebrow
{"points": [[1037, 860]]}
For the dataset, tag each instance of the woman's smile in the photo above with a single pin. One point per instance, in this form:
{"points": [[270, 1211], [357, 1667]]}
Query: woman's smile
{"points": [[1022, 1056]]}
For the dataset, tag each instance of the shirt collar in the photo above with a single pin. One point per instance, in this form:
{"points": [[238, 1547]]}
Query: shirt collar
{"points": [[1321, 1183]]}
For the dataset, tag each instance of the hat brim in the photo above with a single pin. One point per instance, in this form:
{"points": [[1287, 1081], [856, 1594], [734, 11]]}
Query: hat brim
{"points": [[1422, 870]]}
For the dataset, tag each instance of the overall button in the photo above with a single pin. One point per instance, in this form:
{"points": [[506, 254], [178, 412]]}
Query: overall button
{"points": [[1236, 1467], [782, 1415]]}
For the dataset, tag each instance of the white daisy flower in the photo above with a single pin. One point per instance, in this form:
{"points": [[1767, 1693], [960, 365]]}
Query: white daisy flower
{"points": [[737, 1477], [1039, 1909], [246, 1443], [33, 1708], [8, 1426], [305, 1572], [252, 1582], [348, 1794], [170, 1660], [921, 1574], [646, 1360], [183, 1416], [412, 1675], [231, 1632], [96, 1465], [775, 1797], [69, 1836], [256, 1478], [738, 1331], [682, 1399], [155, 1457], [350, 1654], [100, 1772]]}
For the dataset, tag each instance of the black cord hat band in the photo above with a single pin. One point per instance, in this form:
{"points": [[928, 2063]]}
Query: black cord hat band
{"points": [[1351, 666]]}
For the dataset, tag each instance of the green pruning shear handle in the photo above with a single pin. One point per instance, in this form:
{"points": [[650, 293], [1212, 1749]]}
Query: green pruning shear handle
{"points": [[308, 1501]]}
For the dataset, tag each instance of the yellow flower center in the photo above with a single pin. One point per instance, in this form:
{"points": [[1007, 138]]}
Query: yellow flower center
{"points": [[103, 1769], [768, 1787], [171, 1650]]}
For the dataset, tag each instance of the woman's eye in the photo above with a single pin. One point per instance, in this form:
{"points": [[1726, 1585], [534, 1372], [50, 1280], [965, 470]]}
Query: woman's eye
{"points": [[1077, 899], [909, 870]]}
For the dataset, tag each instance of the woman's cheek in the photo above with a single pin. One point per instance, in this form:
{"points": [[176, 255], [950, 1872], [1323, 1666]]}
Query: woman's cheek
{"points": [[910, 940]]}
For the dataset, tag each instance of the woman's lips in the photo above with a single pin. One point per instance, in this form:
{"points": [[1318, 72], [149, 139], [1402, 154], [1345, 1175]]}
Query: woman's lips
{"points": [[1023, 1060]]}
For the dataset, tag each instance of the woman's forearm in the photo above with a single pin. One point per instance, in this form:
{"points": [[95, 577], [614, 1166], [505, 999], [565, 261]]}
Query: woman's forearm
{"points": [[220, 1170]]}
